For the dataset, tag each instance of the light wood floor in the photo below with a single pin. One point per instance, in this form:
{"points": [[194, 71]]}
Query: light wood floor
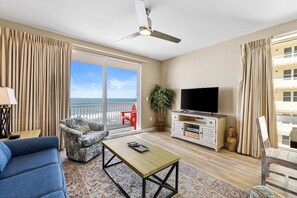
{"points": [[239, 170]]}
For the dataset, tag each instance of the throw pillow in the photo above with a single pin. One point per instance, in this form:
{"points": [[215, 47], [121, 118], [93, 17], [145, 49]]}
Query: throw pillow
{"points": [[5, 156], [78, 124]]}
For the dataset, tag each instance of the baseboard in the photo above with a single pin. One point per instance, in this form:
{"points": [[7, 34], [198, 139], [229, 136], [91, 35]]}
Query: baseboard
{"points": [[149, 129]]}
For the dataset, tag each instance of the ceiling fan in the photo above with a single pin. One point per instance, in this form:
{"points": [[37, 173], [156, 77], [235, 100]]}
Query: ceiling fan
{"points": [[145, 25]]}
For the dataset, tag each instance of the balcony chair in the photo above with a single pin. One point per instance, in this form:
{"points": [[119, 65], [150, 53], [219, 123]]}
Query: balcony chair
{"points": [[82, 138], [273, 155], [131, 116]]}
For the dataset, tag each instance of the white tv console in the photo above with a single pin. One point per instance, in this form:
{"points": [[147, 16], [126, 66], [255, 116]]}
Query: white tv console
{"points": [[200, 128]]}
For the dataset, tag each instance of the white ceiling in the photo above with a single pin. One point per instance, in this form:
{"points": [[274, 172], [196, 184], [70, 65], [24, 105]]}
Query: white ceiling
{"points": [[199, 23]]}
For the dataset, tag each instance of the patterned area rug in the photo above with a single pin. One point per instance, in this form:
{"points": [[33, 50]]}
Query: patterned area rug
{"points": [[90, 181]]}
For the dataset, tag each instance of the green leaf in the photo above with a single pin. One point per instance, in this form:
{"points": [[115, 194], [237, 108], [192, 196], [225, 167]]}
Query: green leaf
{"points": [[161, 100]]}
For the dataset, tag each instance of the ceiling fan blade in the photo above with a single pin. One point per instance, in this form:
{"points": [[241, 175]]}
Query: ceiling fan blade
{"points": [[141, 13], [163, 36], [128, 37]]}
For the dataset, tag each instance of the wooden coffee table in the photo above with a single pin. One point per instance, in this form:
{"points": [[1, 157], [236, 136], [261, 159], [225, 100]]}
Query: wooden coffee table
{"points": [[145, 164]]}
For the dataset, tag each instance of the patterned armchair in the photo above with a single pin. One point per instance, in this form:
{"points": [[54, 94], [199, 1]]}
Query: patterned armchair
{"points": [[82, 138], [263, 192]]}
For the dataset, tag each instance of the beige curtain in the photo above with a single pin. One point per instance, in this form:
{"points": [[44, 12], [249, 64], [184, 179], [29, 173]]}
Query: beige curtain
{"points": [[38, 69], [255, 96]]}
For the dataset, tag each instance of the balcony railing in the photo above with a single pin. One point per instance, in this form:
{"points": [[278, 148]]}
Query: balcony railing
{"points": [[285, 83], [286, 107], [94, 111], [287, 59]]}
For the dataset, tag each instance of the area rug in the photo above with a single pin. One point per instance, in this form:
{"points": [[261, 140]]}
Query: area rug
{"points": [[88, 180]]}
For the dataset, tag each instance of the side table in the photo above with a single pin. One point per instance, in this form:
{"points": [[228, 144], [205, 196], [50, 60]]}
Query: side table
{"points": [[26, 134]]}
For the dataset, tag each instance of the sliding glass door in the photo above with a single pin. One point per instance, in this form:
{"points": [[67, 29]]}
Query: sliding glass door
{"points": [[106, 91], [122, 100], [86, 88]]}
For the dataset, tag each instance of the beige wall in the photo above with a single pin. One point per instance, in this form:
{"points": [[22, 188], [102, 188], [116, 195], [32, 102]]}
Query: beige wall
{"points": [[151, 71], [217, 65]]}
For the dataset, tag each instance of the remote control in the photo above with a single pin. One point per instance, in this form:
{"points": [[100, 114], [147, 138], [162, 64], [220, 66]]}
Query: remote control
{"points": [[12, 137]]}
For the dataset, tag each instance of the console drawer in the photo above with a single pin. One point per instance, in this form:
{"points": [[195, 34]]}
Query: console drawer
{"points": [[192, 135]]}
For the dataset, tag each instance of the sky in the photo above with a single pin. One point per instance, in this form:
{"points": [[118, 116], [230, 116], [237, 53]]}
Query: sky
{"points": [[86, 81]]}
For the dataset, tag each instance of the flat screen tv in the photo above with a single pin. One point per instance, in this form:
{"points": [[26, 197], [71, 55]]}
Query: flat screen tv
{"points": [[200, 99]]}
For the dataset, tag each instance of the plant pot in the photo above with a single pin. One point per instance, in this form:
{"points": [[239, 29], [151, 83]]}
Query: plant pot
{"points": [[161, 126]]}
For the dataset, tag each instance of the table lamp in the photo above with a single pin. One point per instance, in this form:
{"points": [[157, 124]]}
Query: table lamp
{"points": [[7, 99]]}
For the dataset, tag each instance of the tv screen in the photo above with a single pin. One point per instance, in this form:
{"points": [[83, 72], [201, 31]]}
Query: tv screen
{"points": [[200, 99]]}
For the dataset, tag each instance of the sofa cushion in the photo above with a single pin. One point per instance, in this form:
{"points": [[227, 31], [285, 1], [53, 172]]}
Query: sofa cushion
{"points": [[35, 183], [24, 163], [5, 156], [32, 145], [78, 124]]}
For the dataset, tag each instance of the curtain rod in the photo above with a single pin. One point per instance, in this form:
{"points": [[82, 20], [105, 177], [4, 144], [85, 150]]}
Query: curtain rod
{"points": [[108, 54], [104, 56]]}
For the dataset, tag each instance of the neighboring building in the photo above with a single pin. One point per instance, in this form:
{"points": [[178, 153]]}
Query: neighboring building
{"points": [[285, 85]]}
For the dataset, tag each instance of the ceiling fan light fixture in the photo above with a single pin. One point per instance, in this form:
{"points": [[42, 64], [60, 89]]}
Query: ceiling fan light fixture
{"points": [[145, 31]]}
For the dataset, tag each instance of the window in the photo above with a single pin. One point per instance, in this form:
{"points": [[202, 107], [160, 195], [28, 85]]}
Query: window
{"points": [[295, 73], [295, 96], [295, 51], [102, 88], [287, 97], [286, 140], [288, 52], [287, 74]]}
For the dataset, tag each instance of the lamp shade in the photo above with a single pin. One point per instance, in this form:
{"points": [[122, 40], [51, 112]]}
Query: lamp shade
{"points": [[7, 96]]}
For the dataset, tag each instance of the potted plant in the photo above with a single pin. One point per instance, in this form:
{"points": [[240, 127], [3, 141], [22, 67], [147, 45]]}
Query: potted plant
{"points": [[161, 100]]}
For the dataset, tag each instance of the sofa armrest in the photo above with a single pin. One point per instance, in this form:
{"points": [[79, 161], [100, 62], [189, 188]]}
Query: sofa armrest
{"points": [[70, 130], [92, 138], [96, 126], [32, 145]]}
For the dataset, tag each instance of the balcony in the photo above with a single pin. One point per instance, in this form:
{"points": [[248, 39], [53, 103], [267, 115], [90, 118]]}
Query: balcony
{"points": [[284, 59], [282, 83], [93, 111], [286, 107]]}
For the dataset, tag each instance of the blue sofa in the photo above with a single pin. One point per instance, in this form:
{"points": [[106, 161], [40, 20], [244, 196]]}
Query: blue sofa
{"points": [[34, 170]]}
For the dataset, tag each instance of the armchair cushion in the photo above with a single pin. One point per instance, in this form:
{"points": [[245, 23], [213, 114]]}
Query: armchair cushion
{"points": [[96, 126], [5, 156], [92, 137], [78, 124]]}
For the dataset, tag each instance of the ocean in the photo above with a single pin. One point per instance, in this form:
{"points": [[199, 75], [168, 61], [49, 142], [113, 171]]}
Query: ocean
{"points": [[89, 109], [91, 100]]}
